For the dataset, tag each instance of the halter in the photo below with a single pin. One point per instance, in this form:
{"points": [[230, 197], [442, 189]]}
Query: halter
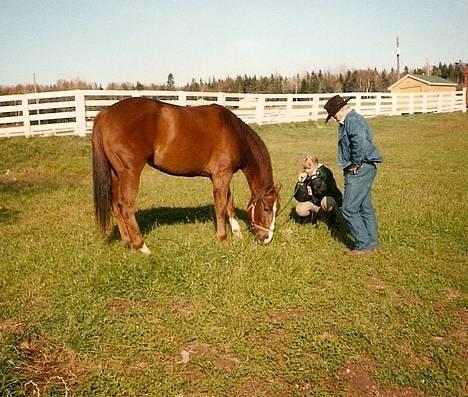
{"points": [[252, 206]]}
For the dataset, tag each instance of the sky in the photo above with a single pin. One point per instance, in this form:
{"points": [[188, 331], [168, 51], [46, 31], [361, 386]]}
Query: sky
{"points": [[103, 41]]}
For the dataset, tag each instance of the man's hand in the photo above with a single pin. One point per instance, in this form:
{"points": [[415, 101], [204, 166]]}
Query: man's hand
{"points": [[353, 168], [302, 177]]}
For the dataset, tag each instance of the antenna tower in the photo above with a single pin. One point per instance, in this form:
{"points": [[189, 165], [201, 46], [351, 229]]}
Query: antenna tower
{"points": [[398, 57]]}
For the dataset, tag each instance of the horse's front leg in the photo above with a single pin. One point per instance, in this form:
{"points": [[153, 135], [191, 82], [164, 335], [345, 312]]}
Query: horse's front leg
{"points": [[235, 227], [220, 194]]}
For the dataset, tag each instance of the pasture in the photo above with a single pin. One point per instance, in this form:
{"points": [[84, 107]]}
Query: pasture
{"points": [[84, 317]]}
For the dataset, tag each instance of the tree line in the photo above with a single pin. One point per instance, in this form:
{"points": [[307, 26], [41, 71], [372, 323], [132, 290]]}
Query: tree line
{"points": [[361, 80]]}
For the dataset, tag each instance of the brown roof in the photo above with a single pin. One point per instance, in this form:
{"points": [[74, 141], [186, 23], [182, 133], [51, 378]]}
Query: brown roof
{"points": [[430, 80]]}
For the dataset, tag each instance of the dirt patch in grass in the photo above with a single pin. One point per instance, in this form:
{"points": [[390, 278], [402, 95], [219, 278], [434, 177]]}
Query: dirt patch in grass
{"points": [[49, 367], [276, 339], [376, 284], [330, 333], [255, 387], [226, 363], [456, 335], [11, 327], [120, 305], [355, 378], [252, 387], [280, 316], [198, 349], [183, 307]]}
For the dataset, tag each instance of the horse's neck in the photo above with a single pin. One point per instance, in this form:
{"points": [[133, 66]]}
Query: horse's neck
{"points": [[257, 164], [258, 173]]}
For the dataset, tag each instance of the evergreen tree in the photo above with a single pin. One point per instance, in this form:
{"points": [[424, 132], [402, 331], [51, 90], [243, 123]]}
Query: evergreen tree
{"points": [[170, 84], [385, 81]]}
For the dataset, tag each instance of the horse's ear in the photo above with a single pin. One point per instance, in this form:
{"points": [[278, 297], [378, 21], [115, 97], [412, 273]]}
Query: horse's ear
{"points": [[278, 187]]}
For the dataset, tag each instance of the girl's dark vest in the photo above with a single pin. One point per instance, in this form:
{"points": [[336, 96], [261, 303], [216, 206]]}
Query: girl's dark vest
{"points": [[317, 186]]}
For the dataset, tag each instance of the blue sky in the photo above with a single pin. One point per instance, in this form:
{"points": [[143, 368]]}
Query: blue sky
{"points": [[141, 40]]}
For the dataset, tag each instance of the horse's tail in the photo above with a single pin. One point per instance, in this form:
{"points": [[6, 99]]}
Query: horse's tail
{"points": [[102, 182]]}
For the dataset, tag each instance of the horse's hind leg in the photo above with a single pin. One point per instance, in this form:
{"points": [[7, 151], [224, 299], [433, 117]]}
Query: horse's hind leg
{"points": [[128, 190], [235, 227], [117, 211], [124, 191]]}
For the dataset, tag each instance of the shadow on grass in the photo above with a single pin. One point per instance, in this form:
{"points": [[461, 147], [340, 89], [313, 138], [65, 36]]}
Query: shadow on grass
{"points": [[23, 188], [150, 218], [8, 215], [338, 230], [30, 187]]}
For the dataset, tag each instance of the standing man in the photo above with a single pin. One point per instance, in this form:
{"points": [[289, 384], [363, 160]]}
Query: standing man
{"points": [[357, 156]]}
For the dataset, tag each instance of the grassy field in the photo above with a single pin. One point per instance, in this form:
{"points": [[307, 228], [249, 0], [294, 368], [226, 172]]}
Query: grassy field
{"points": [[82, 317]]}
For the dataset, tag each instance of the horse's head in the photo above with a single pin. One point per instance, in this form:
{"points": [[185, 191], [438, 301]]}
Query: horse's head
{"points": [[262, 210]]}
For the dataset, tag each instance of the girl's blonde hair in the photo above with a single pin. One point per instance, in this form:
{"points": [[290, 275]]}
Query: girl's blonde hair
{"points": [[310, 162]]}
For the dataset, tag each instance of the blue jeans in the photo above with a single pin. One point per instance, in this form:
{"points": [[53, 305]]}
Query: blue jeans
{"points": [[357, 209]]}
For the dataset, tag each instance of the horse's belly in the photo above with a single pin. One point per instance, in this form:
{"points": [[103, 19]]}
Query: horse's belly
{"points": [[181, 161]]}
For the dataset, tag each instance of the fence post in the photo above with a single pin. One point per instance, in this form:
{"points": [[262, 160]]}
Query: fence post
{"points": [[80, 114], [394, 104], [26, 120], [464, 100], [315, 108], [182, 98], [289, 108], [221, 99], [260, 110], [378, 100], [357, 106]]}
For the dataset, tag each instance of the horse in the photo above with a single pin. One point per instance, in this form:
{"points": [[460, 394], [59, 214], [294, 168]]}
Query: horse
{"points": [[208, 141]]}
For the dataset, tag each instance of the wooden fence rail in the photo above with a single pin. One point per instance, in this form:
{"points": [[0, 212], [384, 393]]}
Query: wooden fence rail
{"points": [[73, 112]]}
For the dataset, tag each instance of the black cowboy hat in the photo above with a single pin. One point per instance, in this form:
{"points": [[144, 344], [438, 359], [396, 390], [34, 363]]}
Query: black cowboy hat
{"points": [[334, 104]]}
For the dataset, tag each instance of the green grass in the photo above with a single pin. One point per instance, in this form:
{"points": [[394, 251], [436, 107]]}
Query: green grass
{"points": [[83, 317]]}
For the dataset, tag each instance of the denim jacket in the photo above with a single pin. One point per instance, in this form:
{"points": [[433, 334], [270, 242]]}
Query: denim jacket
{"points": [[355, 144]]}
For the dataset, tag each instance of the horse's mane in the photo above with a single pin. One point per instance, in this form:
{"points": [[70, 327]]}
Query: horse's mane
{"points": [[257, 154]]}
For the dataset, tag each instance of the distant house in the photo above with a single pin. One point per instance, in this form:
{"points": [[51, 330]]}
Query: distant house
{"points": [[465, 76], [421, 83]]}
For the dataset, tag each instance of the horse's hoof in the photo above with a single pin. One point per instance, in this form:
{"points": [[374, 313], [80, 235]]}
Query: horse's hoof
{"points": [[238, 235], [144, 250], [235, 227]]}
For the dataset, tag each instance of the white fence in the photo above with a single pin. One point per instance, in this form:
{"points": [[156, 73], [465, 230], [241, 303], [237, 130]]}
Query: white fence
{"points": [[73, 112]]}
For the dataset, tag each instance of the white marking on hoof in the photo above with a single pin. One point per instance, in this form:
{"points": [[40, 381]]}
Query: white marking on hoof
{"points": [[235, 228], [145, 250]]}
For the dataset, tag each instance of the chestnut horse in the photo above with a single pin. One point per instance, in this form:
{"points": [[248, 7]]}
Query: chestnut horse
{"points": [[208, 141]]}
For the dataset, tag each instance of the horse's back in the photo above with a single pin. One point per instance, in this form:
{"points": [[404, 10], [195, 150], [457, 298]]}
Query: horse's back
{"points": [[178, 140], [127, 124], [201, 140]]}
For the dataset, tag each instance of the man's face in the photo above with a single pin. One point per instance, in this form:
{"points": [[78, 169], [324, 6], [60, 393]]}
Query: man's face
{"points": [[338, 117]]}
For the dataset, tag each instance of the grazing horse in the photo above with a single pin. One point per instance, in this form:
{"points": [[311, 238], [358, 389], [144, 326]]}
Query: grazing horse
{"points": [[208, 141]]}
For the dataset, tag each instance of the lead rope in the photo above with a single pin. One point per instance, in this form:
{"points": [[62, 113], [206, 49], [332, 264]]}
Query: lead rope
{"points": [[287, 203]]}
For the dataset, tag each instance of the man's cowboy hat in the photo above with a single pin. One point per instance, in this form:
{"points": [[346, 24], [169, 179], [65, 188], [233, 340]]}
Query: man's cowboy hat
{"points": [[334, 104]]}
